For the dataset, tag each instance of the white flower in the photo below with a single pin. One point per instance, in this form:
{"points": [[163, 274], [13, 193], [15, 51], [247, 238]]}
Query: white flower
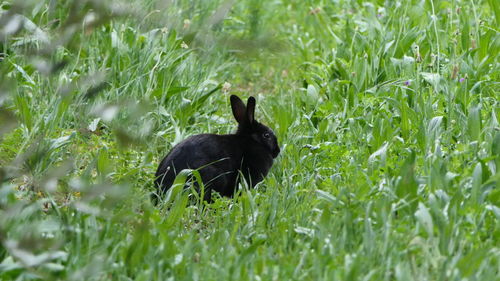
{"points": [[226, 87]]}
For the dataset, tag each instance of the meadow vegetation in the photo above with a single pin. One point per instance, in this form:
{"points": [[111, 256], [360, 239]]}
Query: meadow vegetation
{"points": [[386, 112]]}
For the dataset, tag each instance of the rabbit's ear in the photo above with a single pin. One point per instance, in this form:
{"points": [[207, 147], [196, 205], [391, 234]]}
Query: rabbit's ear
{"points": [[250, 109], [239, 109]]}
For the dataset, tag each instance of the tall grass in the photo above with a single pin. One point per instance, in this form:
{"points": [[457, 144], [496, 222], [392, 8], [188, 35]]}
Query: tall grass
{"points": [[387, 114]]}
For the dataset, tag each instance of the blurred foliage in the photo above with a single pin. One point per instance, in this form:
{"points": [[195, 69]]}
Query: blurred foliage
{"points": [[387, 112]]}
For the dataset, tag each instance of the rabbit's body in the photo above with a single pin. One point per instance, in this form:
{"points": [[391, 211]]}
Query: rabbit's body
{"points": [[220, 158], [218, 161]]}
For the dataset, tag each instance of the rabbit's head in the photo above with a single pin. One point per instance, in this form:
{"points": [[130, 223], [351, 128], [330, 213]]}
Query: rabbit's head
{"points": [[247, 125]]}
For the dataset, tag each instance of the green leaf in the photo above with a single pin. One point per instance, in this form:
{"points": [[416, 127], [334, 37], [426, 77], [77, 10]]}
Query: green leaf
{"points": [[178, 185], [424, 218], [432, 78], [496, 9], [407, 185], [62, 141], [327, 197], [433, 131], [495, 149], [312, 92], [25, 75], [474, 123], [380, 153], [477, 180]]}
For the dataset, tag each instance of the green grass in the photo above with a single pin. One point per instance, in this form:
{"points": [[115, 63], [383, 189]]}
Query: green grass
{"points": [[387, 115]]}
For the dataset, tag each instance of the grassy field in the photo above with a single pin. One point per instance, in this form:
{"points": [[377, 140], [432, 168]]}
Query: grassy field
{"points": [[386, 112]]}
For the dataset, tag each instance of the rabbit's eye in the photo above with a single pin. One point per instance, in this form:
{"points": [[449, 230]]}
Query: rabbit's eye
{"points": [[266, 135]]}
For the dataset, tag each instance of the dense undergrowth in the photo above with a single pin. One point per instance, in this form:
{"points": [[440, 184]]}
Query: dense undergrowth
{"points": [[387, 114]]}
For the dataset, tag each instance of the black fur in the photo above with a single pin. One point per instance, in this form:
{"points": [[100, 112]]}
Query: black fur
{"points": [[220, 158]]}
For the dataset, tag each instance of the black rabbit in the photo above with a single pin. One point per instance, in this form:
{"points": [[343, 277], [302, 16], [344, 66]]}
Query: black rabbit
{"points": [[220, 158]]}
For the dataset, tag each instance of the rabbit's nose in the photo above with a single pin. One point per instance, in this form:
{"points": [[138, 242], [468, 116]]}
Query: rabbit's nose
{"points": [[276, 152]]}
